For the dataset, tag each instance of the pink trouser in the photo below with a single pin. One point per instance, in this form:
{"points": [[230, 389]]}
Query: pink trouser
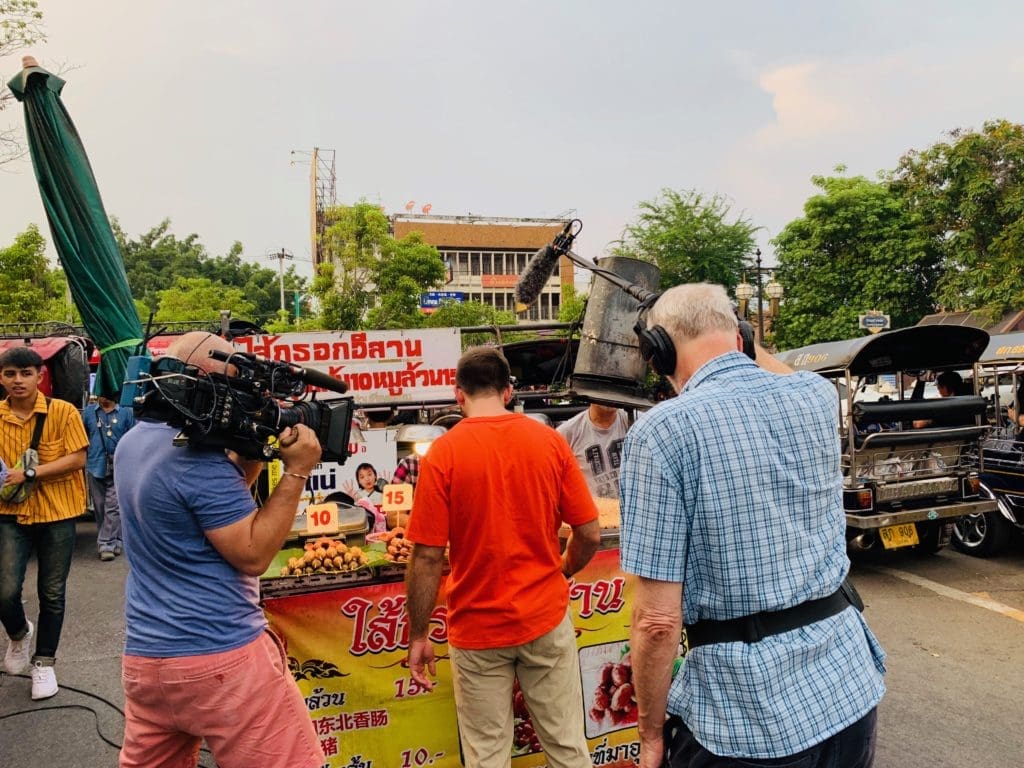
{"points": [[243, 702]]}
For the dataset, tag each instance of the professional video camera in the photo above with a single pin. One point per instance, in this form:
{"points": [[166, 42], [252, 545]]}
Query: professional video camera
{"points": [[240, 412]]}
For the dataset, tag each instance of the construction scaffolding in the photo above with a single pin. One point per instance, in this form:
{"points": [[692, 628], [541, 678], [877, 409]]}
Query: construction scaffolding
{"points": [[322, 195]]}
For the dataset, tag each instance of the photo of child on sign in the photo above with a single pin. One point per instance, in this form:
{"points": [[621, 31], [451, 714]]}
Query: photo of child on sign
{"points": [[357, 477]]}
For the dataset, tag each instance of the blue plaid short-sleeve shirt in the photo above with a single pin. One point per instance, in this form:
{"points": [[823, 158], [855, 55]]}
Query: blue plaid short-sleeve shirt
{"points": [[733, 488]]}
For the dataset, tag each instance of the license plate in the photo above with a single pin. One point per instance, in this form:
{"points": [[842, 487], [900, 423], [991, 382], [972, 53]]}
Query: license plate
{"points": [[895, 536]]}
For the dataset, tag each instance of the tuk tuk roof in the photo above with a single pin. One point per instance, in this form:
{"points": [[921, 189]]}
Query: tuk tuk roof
{"points": [[46, 347], [1004, 347], [920, 347]]}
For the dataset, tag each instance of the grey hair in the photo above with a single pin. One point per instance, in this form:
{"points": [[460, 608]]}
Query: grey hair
{"points": [[691, 310]]}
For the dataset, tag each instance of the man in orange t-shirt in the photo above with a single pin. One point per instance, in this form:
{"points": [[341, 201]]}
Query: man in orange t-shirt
{"points": [[496, 489]]}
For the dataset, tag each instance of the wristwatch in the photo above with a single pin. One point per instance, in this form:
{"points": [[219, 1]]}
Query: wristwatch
{"points": [[30, 473]]}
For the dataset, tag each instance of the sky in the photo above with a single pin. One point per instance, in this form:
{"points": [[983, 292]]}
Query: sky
{"points": [[205, 111]]}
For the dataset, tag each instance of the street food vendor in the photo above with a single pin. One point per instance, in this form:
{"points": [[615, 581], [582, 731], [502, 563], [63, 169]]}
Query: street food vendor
{"points": [[596, 436]]}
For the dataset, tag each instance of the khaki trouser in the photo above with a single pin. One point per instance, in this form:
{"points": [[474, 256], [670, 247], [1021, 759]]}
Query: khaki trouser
{"points": [[549, 676]]}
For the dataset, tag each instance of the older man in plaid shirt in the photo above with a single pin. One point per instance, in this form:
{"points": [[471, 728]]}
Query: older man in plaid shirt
{"points": [[733, 489]]}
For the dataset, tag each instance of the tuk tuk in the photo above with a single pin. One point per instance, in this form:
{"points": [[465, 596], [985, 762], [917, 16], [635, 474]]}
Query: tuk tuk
{"points": [[1000, 376], [910, 462]]}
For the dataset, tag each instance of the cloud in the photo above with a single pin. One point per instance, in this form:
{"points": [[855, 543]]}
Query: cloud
{"points": [[803, 104], [907, 93], [863, 111]]}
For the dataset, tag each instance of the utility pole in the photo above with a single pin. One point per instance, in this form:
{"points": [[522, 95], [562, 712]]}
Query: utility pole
{"points": [[760, 300], [281, 256]]}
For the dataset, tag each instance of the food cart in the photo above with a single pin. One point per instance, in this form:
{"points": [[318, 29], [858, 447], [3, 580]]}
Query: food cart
{"points": [[346, 636], [345, 628]]}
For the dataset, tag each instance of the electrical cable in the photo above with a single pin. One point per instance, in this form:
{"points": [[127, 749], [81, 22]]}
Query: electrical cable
{"points": [[563, 370], [95, 714]]}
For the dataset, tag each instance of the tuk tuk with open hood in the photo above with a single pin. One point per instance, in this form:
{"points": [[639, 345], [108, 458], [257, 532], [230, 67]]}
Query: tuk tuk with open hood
{"points": [[910, 462]]}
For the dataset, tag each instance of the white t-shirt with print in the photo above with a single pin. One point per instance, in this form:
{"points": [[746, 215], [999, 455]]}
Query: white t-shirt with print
{"points": [[598, 451]]}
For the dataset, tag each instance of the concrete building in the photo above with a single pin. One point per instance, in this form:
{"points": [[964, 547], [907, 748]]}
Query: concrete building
{"points": [[486, 255]]}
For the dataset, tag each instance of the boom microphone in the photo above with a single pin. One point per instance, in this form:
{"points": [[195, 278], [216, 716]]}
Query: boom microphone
{"points": [[538, 271], [535, 277]]}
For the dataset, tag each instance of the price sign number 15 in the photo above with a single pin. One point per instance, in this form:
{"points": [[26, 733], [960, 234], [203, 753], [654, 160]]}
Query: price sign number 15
{"points": [[397, 497]]}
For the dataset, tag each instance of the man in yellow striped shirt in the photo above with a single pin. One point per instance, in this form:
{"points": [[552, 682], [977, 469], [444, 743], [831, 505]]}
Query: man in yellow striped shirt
{"points": [[45, 521]]}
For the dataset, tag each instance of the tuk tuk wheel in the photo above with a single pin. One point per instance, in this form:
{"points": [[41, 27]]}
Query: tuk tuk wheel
{"points": [[982, 535]]}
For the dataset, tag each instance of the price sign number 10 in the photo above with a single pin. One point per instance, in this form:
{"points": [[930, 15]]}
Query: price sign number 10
{"points": [[322, 518]]}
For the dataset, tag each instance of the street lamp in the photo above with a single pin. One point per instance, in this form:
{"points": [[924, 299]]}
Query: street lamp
{"points": [[773, 290], [744, 293], [281, 256]]}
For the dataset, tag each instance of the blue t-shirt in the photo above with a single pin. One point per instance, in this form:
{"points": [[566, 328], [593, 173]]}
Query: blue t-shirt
{"points": [[105, 431], [182, 598]]}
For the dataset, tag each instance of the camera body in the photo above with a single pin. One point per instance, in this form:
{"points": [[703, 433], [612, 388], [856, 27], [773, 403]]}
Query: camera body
{"points": [[237, 412]]}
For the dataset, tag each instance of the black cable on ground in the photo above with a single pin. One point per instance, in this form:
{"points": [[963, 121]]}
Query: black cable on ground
{"points": [[95, 714]]}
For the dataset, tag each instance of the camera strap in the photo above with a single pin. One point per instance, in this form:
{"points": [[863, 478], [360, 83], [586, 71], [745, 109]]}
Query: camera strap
{"points": [[757, 626]]}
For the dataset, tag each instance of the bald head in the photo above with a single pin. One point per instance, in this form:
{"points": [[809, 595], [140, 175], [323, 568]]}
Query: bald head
{"points": [[194, 348]]}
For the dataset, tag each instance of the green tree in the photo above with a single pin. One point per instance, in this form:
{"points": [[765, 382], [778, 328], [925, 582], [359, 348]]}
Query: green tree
{"points": [[338, 311], [143, 311], [467, 314], [157, 259], [261, 285], [354, 239], [32, 291], [406, 269], [573, 305], [470, 314], [199, 298], [375, 280], [970, 193], [281, 324], [856, 248], [21, 25], [398, 308], [411, 258], [688, 235]]}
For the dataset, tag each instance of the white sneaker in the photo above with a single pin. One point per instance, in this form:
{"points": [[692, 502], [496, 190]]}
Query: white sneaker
{"points": [[19, 652], [44, 682]]}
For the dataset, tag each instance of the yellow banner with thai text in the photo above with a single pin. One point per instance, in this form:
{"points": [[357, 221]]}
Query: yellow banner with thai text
{"points": [[348, 648]]}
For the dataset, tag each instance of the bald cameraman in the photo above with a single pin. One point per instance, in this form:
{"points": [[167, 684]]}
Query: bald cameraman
{"points": [[199, 660]]}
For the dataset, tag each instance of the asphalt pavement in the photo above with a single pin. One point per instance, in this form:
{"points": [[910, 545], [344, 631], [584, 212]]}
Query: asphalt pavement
{"points": [[953, 627], [68, 729]]}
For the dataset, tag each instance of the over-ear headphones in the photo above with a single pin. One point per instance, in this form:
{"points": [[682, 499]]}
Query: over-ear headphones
{"points": [[748, 337], [657, 349]]}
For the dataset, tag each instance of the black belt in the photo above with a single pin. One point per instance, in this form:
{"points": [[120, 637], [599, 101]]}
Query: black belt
{"points": [[756, 626]]}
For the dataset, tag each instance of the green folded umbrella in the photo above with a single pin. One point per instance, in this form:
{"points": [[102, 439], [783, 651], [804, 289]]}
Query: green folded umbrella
{"points": [[80, 227]]}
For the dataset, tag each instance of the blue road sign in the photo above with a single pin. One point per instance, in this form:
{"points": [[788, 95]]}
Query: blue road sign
{"points": [[873, 322], [434, 299]]}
